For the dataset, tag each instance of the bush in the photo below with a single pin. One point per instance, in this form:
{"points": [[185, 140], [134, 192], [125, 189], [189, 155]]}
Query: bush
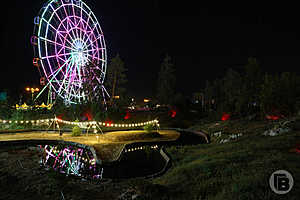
{"points": [[148, 128], [76, 131]]}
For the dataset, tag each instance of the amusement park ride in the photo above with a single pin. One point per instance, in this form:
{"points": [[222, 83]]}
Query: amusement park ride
{"points": [[69, 52]]}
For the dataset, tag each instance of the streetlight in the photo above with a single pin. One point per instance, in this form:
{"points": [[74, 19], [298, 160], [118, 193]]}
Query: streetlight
{"points": [[32, 90]]}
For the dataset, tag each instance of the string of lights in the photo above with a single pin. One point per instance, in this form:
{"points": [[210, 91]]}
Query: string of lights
{"points": [[81, 124], [140, 148]]}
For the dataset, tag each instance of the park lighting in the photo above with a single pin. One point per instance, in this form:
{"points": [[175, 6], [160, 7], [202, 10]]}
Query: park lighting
{"points": [[93, 123], [32, 90]]}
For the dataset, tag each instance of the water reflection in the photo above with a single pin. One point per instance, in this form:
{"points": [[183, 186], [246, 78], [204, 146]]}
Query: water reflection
{"points": [[137, 160], [70, 160]]}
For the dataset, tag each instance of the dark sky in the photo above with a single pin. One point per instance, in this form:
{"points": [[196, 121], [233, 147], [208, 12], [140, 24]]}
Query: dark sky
{"points": [[202, 40]]}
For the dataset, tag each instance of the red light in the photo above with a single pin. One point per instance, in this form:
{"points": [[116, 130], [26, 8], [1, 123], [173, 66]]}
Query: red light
{"points": [[59, 117], [88, 115], [108, 122], [127, 115], [225, 117], [298, 149], [272, 117], [172, 113]]}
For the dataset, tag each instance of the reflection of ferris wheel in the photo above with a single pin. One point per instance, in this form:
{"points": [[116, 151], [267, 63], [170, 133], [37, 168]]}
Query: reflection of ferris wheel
{"points": [[70, 49]]}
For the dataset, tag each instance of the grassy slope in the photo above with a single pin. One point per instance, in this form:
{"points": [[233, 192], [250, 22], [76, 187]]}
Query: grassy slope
{"points": [[236, 170]]}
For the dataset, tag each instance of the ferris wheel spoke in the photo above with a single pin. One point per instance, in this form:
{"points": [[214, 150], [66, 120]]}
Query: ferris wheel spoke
{"points": [[93, 57], [85, 37], [88, 18], [60, 50], [65, 76], [65, 38], [71, 79], [56, 43], [79, 75], [64, 60], [92, 42], [57, 55], [74, 14], [54, 74], [72, 34], [96, 49], [61, 22], [81, 20], [75, 22], [58, 32], [88, 35], [69, 22]]}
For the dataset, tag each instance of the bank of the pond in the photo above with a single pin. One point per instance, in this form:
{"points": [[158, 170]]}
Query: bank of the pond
{"points": [[25, 180], [238, 169], [136, 154]]}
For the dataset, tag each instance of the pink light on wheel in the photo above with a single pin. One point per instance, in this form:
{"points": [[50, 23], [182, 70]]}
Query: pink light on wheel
{"points": [[70, 47]]}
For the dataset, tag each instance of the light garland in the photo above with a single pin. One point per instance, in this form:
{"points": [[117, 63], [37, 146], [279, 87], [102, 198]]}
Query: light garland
{"points": [[140, 148], [91, 123]]}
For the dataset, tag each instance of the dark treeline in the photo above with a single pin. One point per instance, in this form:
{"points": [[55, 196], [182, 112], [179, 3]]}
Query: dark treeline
{"points": [[252, 91]]}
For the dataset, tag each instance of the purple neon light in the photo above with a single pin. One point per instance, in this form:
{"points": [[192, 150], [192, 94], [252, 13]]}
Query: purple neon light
{"points": [[70, 37]]}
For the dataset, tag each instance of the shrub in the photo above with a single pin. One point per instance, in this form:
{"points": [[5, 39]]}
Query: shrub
{"points": [[76, 131], [148, 128]]}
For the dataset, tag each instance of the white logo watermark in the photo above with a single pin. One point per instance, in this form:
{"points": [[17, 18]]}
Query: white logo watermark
{"points": [[281, 182]]}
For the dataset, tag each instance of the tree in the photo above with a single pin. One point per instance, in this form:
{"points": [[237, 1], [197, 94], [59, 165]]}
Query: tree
{"points": [[116, 77], [280, 93], [232, 90], [166, 82], [268, 96], [252, 80], [91, 85], [208, 95]]}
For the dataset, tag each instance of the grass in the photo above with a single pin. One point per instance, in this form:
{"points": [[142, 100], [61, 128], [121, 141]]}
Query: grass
{"points": [[236, 170], [239, 169]]}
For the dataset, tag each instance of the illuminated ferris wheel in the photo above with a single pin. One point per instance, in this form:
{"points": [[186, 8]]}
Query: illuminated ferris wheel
{"points": [[70, 51]]}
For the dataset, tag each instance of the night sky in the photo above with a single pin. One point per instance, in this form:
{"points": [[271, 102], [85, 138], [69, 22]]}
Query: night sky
{"points": [[202, 40]]}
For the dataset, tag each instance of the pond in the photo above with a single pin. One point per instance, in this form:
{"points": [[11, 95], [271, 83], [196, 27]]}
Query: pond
{"points": [[136, 160], [139, 160]]}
